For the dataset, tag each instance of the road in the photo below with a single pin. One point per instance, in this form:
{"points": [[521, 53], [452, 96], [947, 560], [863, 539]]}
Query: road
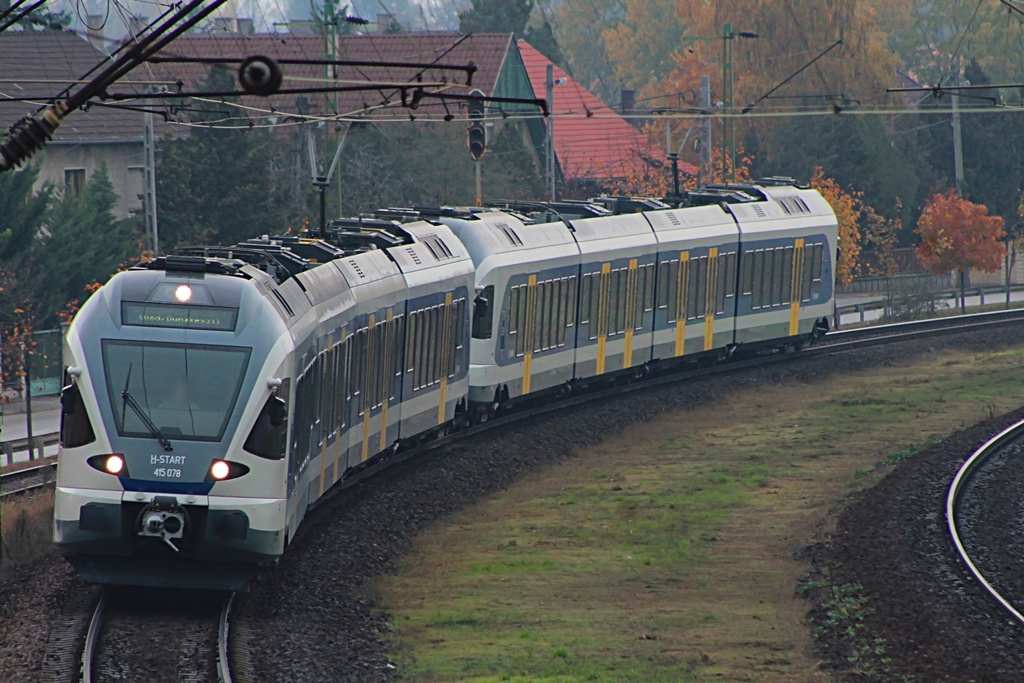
{"points": [[45, 420], [869, 316]]}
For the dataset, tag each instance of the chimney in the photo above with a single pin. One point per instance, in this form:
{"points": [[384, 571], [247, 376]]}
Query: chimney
{"points": [[223, 24], [94, 30], [628, 98], [385, 22], [246, 27]]}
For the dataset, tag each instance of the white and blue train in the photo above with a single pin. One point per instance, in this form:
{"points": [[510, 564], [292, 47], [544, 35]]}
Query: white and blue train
{"points": [[214, 395]]}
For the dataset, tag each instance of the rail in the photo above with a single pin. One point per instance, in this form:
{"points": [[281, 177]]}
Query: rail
{"points": [[979, 456]]}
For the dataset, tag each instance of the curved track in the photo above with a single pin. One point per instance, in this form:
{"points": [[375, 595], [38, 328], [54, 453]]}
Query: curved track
{"points": [[960, 485]]}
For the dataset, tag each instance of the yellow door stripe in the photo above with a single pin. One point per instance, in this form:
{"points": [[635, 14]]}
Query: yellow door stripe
{"points": [[681, 312], [627, 351], [710, 300], [602, 317], [794, 295], [528, 341]]}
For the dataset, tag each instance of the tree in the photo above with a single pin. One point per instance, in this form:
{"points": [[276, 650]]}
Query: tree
{"points": [[512, 16], [959, 235], [643, 43], [23, 212], [579, 26], [84, 243], [847, 209], [217, 186], [496, 16]]}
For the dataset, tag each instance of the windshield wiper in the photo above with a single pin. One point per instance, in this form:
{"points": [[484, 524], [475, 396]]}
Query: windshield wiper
{"points": [[153, 429]]}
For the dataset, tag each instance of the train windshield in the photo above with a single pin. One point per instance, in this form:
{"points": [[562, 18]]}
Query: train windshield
{"points": [[187, 391]]}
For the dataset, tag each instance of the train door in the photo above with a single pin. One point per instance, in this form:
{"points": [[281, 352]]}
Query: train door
{"points": [[796, 286]]}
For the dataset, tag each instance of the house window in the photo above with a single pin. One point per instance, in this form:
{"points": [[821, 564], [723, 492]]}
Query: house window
{"points": [[74, 180], [136, 187]]}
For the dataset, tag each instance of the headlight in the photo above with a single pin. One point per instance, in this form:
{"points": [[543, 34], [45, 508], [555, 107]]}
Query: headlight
{"points": [[111, 463], [222, 470]]}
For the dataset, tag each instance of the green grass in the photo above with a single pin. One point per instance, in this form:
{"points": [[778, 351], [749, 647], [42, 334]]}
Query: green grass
{"points": [[667, 553]]}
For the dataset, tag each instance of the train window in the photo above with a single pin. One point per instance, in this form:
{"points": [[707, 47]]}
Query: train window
{"points": [[779, 274], [649, 287], [640, 298], [332, 385], [75, 427], [818, 255], [757, 292], [693, 289], [678, 292], [747, 276], [722, 282], [664, 283], [786, 293], [348, 375], [701, 287], [585, 300], [557, 310], [571, 298], [380, 341], [544, 316], [614, 302], [766, 282], [520, 319], [624, 300], [483, 313], [434, 359], [598, 295], [266, 439], [442, 320], [730, 275]]}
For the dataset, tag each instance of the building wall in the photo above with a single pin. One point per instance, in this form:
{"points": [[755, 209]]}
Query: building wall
{"points": [[124, 162]]}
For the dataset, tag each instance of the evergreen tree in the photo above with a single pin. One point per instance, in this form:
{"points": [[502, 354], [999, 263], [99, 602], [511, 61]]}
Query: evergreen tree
{"points": [[217, 186], [496, 16], [83, 243], [22, 213], [511, 16]]}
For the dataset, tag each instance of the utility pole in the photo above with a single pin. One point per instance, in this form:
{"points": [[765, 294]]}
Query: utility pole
{"points": [[958, 152], [149, 178], [729, 143], [26, 352], [549, 83], [705, 130]]}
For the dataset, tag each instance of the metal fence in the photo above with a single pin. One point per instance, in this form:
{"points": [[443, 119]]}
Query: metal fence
{"points": [[45, 366]]}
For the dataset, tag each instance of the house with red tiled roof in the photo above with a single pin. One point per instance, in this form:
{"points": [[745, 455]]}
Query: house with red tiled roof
{"points": [[593, 144], [34, 67]]}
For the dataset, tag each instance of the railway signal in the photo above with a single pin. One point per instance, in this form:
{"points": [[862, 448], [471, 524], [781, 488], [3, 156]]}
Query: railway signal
{"points": [[477, 133]]}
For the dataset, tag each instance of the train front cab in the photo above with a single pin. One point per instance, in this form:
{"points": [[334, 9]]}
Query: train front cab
{"points": [[128, 510]]}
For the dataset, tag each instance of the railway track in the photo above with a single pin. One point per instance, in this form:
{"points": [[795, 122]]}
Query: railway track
{"points": [[139, 636], [983, 541], [34, 478]]}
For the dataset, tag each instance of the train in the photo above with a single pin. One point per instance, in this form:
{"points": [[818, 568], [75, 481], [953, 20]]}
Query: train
{"points": [[214, 395]]}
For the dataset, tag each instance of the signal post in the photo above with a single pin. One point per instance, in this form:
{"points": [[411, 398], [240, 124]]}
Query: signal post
{"points": [[477, 135]]}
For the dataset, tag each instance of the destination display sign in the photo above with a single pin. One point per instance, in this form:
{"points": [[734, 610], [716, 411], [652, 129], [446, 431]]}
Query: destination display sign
{"points": [[175, 315]]}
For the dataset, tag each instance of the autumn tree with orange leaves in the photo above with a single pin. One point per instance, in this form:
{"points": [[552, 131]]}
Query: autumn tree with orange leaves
{"points": [[959, 235], [847, 209]]}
